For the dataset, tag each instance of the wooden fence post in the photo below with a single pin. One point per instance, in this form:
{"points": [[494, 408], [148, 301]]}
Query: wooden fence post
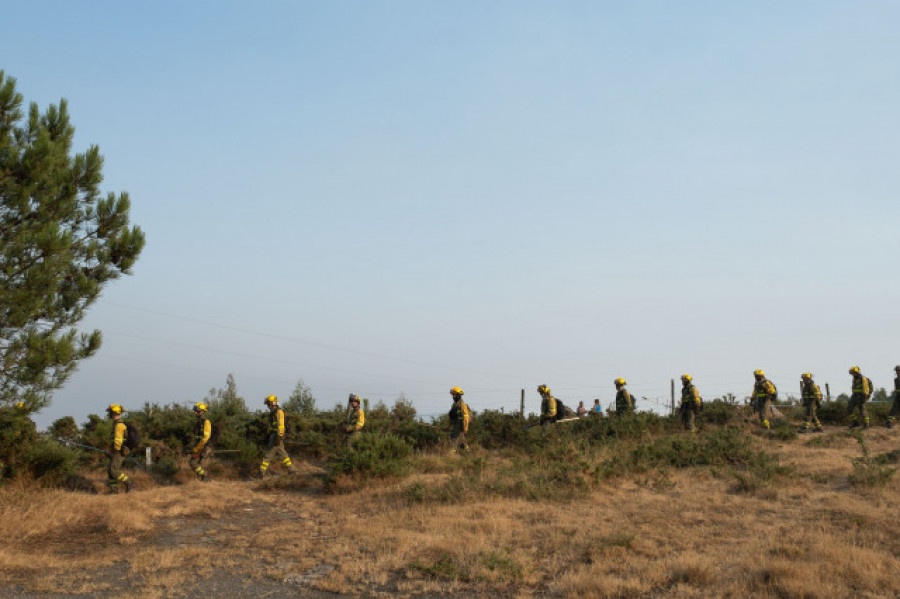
{"points": [[672, 382]]}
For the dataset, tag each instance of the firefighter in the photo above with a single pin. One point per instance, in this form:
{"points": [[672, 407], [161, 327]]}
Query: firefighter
{"points": [[275, 447], [202, 434], [861, 391], [690, 403], [763, 395], [459, 420], [812, 398], [117, 451], [356, 419], [624, 400], [548, 404], [895, 407]]}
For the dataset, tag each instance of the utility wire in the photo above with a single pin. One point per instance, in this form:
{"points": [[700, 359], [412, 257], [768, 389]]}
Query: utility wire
{"points": [[276, 360], [314, 343]]}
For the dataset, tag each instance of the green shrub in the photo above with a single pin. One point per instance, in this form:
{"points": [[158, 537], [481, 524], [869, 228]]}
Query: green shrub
{"points": [[52, 463], [166, 467], [833, 412], [18, 435], [492, 429], [372, 455], [719, 413], [784, 431], [869, 471], [97, 432], [64, 429], [501, 563], [444, 567], [725, 447]]}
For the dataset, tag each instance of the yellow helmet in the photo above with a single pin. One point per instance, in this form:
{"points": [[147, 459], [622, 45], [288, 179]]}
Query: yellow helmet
{"points": [[806, 375], [854, 370], [619, 381], [271, 400], [353, 398], [21, 405], [115, 409], [686, 377], [457, 391], [200, 407], [543, 389], [759, 373]]}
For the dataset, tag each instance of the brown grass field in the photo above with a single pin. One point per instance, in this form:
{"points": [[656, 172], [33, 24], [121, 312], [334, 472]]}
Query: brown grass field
{"points": [[670, 533]]}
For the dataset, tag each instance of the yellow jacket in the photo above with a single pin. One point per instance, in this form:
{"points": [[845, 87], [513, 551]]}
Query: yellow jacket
{"points": [[460, 412], [548, 406], [690, 393], [276, 423], [356, 420], [810, 391], [861, 385], [204, 432], [763, 388], [118, 435]]}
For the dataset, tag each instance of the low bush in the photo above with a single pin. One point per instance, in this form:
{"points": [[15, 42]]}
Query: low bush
{"points": [[724, 447], [871, 471], [52, 463], [18, 435], [372, 456], [719, 413]]}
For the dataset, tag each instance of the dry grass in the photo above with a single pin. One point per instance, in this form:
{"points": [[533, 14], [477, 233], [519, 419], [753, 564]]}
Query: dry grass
{"points": [[680, 533]]}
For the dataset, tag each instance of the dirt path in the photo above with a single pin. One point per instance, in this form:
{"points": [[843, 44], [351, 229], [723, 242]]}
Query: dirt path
{"points": [[235, 550]]}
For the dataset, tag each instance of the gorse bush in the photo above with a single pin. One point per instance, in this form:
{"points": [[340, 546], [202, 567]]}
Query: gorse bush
{"points": [[52, 463], [372, 455], [719, 412], [726, 447], [492, 429], [17, 436]]}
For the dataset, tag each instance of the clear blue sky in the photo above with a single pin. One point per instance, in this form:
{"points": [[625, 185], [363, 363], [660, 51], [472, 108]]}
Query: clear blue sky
{"points": [[387, 197]]}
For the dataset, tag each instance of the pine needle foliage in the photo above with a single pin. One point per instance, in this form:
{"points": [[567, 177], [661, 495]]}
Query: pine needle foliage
{"points": [[61, 242]]}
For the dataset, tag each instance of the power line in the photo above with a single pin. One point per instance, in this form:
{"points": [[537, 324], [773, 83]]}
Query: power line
{"points": [[276, 360], [313, 343]]}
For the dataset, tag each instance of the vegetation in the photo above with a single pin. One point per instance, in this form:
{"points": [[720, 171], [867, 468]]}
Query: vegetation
{"points": [[61, 241], [594, 507]]}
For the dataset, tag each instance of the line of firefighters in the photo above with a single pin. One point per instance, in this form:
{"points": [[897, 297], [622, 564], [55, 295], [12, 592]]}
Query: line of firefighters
{"points": [[764, 394]]}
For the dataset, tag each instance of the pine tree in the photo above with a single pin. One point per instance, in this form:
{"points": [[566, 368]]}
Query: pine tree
{"points": [[301, 400], [62, 241]]}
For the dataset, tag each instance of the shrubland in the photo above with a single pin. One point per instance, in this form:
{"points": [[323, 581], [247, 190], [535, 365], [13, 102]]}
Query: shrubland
{"points": [[599, 506]]}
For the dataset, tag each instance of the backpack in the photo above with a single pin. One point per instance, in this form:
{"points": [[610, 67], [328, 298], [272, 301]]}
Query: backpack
{"points": [[774, 395], [563, 411], [213, 434], [871, 387], [132, 436]]}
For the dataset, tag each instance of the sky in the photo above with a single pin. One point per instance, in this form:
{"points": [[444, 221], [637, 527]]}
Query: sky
{"points": [[399, 197]]}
